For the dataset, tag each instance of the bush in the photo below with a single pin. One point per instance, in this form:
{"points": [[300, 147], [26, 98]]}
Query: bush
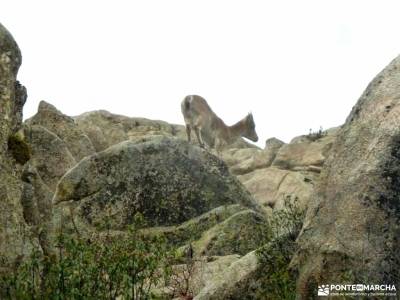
{"points": [[316, 135], [98, 268], [274, 279]]}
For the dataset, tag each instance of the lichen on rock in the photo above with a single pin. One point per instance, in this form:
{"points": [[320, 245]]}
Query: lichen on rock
{"points": [[64, 127], [167, 180], [12, 98]]}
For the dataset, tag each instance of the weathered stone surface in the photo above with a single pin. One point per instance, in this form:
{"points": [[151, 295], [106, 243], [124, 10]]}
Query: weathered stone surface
{"points": [[225, 285], [305, 154], [271, 148], [270, 186], [37, 208], [49, 154], [12, 98], [12, 226], [245, 160], [260, 274], [351, 231], [273, 144], [65, 128], [167, 180], [242, 160], [13, 94], [106, 129], [193, 229], [208, 272], [239, 234]]}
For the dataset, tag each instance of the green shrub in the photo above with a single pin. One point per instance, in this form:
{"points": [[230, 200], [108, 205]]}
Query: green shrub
{"points": [[98, 268], [274, 279]]}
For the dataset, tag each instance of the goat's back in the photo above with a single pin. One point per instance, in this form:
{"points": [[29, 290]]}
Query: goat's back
{"points": [[194, 108]]}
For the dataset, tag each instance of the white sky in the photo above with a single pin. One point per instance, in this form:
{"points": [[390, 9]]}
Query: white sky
{"points": [[295, 64]]}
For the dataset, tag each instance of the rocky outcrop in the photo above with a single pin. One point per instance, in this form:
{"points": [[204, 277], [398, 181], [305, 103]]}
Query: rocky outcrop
{"points": [[245, 160], [13, 94], [271, 186], [167, 180], [306, 152], [351, 232], [65, 128], [12, 98], [273, 144], [282, 171], [106, 129], [192, 230], [49, 154], [104, 168], [226, 285], [37, 208]]}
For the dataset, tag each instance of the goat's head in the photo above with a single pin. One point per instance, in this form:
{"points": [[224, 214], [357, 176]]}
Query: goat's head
{"points": [[250, 132]]}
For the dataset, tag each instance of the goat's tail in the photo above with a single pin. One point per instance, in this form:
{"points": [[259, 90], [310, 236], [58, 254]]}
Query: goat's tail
{"points": [[186, 106], [186, 103]]}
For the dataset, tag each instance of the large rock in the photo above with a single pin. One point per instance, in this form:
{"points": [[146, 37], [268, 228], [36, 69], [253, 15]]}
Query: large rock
{"points": [[228, 284], [49, 154], [245, 160], [12, 98], [13, 230], [65, 128], [167, 180], [37, 208], [12, 94], [271, 186], [305, 152], [273, 144], [106, 129], [351, 232]]}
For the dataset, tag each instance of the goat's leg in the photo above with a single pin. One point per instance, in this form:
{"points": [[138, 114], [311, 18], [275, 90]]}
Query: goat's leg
{"points": [[188, 131], [198, 135]]}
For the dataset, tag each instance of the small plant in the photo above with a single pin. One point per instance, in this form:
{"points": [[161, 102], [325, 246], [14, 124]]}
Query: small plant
{"points": [[182, 276], [185, 276], [274, 279], [286, 221], [127, 267], [315, 135]]}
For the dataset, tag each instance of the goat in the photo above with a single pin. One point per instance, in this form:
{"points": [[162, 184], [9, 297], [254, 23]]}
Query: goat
{"points": [[199, 116]]}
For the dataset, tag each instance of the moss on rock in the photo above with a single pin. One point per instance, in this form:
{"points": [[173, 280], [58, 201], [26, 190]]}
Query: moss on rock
{"points": [[239, 234], [19, 148], [193, 229]]}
